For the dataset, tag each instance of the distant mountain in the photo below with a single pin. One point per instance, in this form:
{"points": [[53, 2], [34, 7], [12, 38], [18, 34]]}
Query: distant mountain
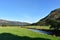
{"points": [[6, 22], [55, 15]]}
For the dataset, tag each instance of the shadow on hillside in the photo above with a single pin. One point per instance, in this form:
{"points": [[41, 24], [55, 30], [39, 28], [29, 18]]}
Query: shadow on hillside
{"points": [[9, 36]]}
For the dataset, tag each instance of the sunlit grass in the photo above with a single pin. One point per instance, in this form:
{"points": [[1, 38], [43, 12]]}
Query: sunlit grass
{"points": [[38, 27], [25, 32]]}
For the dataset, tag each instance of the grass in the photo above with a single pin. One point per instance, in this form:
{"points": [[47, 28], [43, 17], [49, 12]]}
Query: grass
{"points": [[38, 27], [17, 33]]}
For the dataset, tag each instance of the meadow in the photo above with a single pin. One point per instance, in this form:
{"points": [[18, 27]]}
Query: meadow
{"points": [[18, 33], [37, 27]]}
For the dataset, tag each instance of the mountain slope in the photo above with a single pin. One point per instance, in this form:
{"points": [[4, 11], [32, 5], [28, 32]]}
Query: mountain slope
{"points": [[55, 15], [6, 22]]}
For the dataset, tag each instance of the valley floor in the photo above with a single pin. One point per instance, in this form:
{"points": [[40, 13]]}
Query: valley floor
{"points": [[18, 33]]}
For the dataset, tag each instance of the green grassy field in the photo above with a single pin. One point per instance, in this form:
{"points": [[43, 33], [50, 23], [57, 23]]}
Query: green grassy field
{"points": [[17, 33], [38, 27]]}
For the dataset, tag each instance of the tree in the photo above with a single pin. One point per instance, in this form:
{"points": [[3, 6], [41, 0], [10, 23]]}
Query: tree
{"points": [[54, 24], [4, 24]]}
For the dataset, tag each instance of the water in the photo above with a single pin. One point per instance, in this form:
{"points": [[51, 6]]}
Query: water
{"points": [[49, 32], [41, 31]]}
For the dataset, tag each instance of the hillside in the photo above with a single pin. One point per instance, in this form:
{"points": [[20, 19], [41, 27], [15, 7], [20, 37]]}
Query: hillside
{"points": [[55, 15], [6, 22]]}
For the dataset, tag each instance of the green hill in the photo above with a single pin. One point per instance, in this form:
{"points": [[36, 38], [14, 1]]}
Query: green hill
{"points": [[54, 15]]}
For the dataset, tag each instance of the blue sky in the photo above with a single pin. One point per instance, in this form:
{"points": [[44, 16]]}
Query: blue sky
{"points": [[26, 10]]}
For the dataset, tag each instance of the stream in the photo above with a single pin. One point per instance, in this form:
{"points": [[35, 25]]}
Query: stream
{"points": [[49, 32], [41, 31]]}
